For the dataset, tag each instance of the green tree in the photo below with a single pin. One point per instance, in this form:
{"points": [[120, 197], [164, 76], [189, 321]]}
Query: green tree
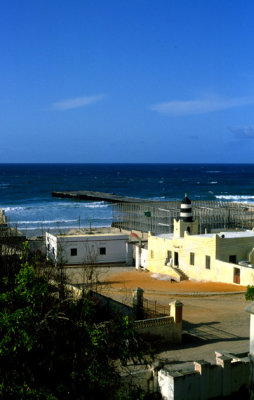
{"points": [[52, 348], [249, 294]]}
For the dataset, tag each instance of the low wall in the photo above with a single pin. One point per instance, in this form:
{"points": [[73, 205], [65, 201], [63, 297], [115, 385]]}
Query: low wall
{"points": [[168, 328], [112, 306], [201, 381], [163, 327], [205, 381], [37, 244], [225, 272]]}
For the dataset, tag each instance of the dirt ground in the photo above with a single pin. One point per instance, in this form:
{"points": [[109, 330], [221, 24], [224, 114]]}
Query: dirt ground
{"points": [[211, 322], [160, 283]]}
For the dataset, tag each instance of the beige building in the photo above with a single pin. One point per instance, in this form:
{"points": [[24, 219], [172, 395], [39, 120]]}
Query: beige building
{"points": [[218, 257]]}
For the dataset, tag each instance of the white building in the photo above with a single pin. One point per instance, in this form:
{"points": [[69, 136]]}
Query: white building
{"points": [[97, 248]]}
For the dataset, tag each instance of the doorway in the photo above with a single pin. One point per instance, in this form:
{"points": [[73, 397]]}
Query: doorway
{"points": [[176, 260], [236, 278]]}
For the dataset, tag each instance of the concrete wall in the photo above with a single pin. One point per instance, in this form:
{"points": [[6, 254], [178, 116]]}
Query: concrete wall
{"points": [[158, 253], [200, 381], [162, 327], [88, 248], [241, 247], [112, 307], [224, 272], [205, 381], [37, 244], [143, 258], [168, 329]]}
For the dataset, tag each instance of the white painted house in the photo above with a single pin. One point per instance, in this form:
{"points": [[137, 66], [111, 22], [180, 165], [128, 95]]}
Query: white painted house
{"points": [[97, 248]]}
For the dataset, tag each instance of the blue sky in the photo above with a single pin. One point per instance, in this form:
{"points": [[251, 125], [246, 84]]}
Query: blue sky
{"points": [[127, 81]]}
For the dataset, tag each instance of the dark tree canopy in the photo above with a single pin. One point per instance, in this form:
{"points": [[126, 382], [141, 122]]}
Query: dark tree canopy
{"points": [[53, 347]]}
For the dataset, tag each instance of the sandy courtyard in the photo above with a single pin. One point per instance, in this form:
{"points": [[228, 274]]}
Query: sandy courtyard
{"points": [[154, 282]]}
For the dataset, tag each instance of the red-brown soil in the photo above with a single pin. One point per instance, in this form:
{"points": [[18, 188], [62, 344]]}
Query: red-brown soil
{"points": [[132, 279]]}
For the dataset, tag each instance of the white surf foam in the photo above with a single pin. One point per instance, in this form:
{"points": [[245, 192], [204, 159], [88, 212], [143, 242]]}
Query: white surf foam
{"points": [[234, 197]]}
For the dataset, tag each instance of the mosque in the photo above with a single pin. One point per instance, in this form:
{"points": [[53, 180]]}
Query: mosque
{"points": [[217, 257]]}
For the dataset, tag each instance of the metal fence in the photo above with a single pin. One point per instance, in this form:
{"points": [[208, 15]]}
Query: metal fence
{"points": [[158, 217], [152, 309]]}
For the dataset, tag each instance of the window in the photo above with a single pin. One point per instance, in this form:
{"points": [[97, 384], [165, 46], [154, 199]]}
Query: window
{"points": [[232, 259], [169, 254], [48, 247], [192, 258], [207, 262], [152, 254], [74, 252], [102, 250]]}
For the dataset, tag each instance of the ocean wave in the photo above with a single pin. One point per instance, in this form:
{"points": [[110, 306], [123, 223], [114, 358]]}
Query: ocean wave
{"points": [[77, 204], [157, 198], [213, 183], [234, 197], [49, 205], [8, 209], [212, 172], [53, 227], [63, 227], [56, 221], [96, 206]]}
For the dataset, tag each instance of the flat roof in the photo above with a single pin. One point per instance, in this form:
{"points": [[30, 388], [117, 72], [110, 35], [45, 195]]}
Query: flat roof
{"points": [[165, 235], [233, 234], [91, 235], [227, 235]]}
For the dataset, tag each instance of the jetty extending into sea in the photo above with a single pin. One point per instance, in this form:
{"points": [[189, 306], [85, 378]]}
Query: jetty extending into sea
{"points": [[98, 196]]}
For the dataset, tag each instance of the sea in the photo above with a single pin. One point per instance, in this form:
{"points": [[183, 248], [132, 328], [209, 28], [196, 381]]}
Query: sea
{"points": [[26, 190]]}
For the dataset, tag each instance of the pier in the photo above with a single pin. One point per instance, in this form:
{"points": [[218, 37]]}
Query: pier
{"points": [[98, 196]]}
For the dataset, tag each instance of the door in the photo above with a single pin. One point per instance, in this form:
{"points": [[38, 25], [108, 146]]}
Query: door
{"points": [[236, 276], [176, 263]]}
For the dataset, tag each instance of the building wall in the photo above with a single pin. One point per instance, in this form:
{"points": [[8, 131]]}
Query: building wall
{"points": [[241, 247], [224, 272], [158, 252], [97, 249], [143, 259], [217, 249]]}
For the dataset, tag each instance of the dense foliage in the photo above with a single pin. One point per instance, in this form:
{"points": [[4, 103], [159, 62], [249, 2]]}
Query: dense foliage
{"points": [[249, 294], [52, 346]]}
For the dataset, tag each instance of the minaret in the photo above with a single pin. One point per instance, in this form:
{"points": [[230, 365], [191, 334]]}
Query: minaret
{"points": [[186, 210], [185, 223]]}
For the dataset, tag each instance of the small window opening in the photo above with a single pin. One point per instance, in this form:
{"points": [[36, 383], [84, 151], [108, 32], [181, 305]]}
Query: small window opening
{"points": [[74, 252], [102, 250], [192, 258]]}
